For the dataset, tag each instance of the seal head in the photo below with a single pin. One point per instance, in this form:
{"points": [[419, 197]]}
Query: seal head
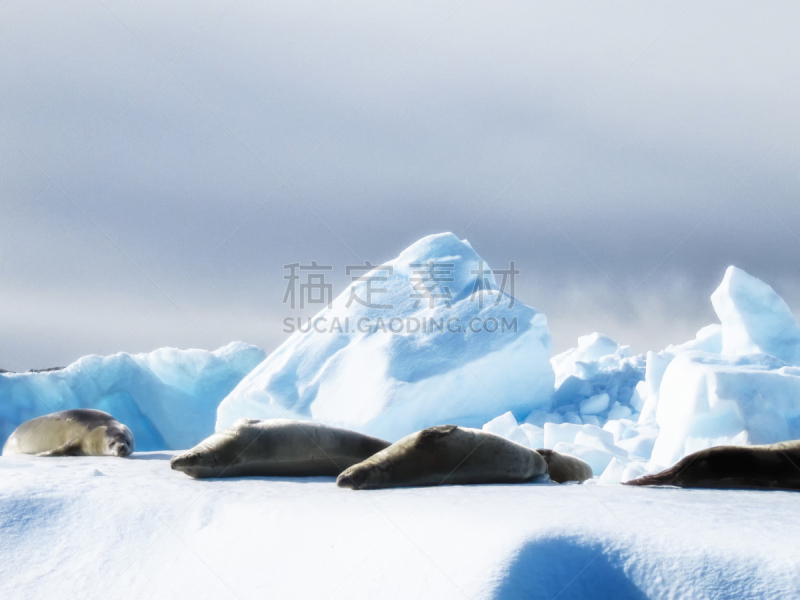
{"points": [[563, 467]]}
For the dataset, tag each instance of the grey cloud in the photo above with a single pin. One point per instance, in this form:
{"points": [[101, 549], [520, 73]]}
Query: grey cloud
{"points": [[516, 126]]}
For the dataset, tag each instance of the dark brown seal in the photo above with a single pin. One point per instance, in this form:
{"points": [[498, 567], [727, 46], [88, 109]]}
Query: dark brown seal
{"points": [[563, 467], [446, 454], [775, 466], [281, 447]]}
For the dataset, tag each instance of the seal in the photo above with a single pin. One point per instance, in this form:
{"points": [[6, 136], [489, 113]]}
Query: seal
{"points": [[280, 447], [446, 454], [77, 432], [563, 467], [773, 466]]}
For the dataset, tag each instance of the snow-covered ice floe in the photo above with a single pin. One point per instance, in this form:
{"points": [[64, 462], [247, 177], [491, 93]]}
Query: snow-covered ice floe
{"points": [[391, 382], [168, 397], [133, 529]]}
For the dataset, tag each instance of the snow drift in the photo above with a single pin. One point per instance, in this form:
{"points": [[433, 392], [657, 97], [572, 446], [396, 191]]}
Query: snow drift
{"points": [[389, 383], [168, 398]]}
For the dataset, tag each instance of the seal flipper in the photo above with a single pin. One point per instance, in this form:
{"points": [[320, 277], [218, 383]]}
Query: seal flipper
{"points": [[657, 479], [71, 448], [666, 477]]}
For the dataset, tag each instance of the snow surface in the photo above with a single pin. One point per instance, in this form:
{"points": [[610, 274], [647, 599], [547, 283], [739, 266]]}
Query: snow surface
{"points": [[132, 528], [168, 398], [391, 384]]}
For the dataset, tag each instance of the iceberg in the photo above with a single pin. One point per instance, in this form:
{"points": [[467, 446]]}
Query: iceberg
{"points": [[646, 394], [526, 434], [746, 393], [567, 432], [168, 398], [596, 380], [599, 389], [427, 353], [755, 319], [737, 382], [596, 404], [709, 400]]}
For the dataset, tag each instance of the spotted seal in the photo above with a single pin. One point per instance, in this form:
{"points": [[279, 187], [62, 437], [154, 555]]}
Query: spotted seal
{"points": [[76, 432]]}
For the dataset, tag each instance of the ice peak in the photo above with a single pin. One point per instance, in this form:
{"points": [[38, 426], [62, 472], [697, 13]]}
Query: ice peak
{"points": [[389, 381], [445, 249], [755, 318], [435, 246]]}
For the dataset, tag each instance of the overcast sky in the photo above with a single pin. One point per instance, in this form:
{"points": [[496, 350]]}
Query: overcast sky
{"points": [[161, 161]]}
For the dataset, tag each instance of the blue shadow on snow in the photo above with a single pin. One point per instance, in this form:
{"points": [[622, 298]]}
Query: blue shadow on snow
{"points": [[566, 568]]}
